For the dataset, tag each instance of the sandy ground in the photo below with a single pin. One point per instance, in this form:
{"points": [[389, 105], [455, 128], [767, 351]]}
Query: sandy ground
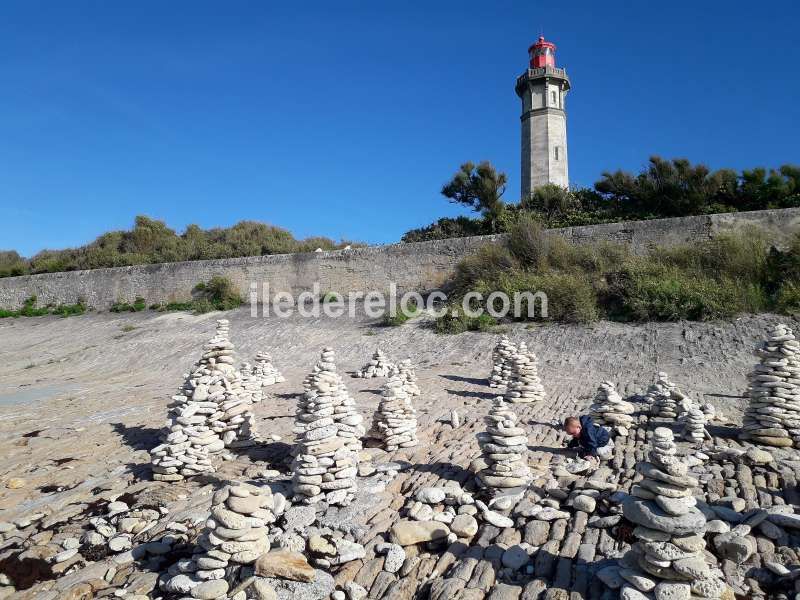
{"points": [[82, 399], [82, 396]]}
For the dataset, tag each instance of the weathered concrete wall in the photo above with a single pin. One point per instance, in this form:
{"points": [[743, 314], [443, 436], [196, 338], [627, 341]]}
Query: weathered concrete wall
{"points": [[423, 266]]}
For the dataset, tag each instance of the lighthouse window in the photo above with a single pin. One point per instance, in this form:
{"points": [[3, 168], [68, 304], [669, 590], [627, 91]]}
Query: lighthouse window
{"points": [[553, 98], [556, 150]]}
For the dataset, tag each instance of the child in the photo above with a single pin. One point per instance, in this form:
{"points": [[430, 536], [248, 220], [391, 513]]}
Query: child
{"points": [[591, 440]]}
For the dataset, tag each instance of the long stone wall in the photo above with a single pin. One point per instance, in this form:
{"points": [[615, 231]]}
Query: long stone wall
{"points": [[423, 266]]}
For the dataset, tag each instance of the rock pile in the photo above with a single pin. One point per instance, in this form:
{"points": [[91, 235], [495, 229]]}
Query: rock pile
{"points": [[610, 409], [234, 421], [194, 423], [329, 431], [693, 421], [266, 371], [773, 412], [235, 534], [250, 383], [663, 398], [409, 377], [396, 419], [502, 363], [525, 385], [668, 559], [505, 449], [379, 366]]}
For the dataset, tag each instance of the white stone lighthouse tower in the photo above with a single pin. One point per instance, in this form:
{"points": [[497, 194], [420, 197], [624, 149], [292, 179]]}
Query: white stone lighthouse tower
{"points": [[543, 88]]}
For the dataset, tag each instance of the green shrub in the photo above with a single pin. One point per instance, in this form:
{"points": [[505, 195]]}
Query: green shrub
{"points": [[400, 316], [69, 310], [218, 293], [668, 293], [484, 265], [529, 242], [454, 323], [570, 296], [788, 298]]}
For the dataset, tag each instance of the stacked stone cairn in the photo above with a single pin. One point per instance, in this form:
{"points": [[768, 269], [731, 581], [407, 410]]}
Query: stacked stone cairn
{"points": [[693, 421], [663, 396], [233, 422], [266, 371], [189, 437], [329, 431], [396, 419], [235, 534], [250, 383], [504, 445], [502, 363], [611, 410], [409, 376], [773, 412], [379, 366], [525, 385], [668, 560]]}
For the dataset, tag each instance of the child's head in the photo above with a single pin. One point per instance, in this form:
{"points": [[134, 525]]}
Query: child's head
{"points": [[572, 426]]}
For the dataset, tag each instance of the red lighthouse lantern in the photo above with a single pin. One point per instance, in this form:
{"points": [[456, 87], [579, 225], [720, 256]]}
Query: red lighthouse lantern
{"points": [[542, 54]]}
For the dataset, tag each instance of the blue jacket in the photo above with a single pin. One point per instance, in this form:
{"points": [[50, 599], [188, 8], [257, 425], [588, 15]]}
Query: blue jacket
{"points": [[591, 438]]}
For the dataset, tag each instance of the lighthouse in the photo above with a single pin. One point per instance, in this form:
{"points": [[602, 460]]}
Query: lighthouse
{"points": [[543, 88]]}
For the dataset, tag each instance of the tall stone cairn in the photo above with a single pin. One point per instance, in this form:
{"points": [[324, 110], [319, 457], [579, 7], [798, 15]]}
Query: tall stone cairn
{"points": [[502, 363], [188, 439], [525, 385], [504, 445], [396, 419], [378, 366], [265, 371], [234, 421], [610, 409], [773, 412], [408, 374], [235, 534], [663, 398], [329, 431], [668, 560]]}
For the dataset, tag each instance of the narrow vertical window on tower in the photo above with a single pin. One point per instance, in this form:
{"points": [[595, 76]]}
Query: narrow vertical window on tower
{"points": [[553, 99], [556, 151]]}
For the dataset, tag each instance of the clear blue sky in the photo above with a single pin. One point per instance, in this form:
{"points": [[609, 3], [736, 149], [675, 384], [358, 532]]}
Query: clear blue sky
{"points": [[344, 118]]}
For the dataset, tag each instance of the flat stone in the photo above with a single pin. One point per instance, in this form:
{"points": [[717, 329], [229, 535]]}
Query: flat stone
{"points": [[408, 533], [210, 590], [464, 526], [284, 564], [668, 590], [648, 514]]}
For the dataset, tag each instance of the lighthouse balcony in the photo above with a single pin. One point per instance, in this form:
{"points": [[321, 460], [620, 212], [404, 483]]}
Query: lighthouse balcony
{"points": [[542, 72]]}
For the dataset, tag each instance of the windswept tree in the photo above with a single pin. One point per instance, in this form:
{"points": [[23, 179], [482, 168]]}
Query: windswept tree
{"points": [[480, 187]]}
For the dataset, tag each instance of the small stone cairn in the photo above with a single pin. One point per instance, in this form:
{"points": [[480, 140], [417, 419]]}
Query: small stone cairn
{"points": [[329, 431], [610, 409], [190, 437], [379, 366], [266, 371], [409, 377], [693, 420], [504, 445], [396, 419], [250, 383], [234, 421], [773, 413], [668, 559], [502, 363], [525, 385], [663, 398], [235, 534]]}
